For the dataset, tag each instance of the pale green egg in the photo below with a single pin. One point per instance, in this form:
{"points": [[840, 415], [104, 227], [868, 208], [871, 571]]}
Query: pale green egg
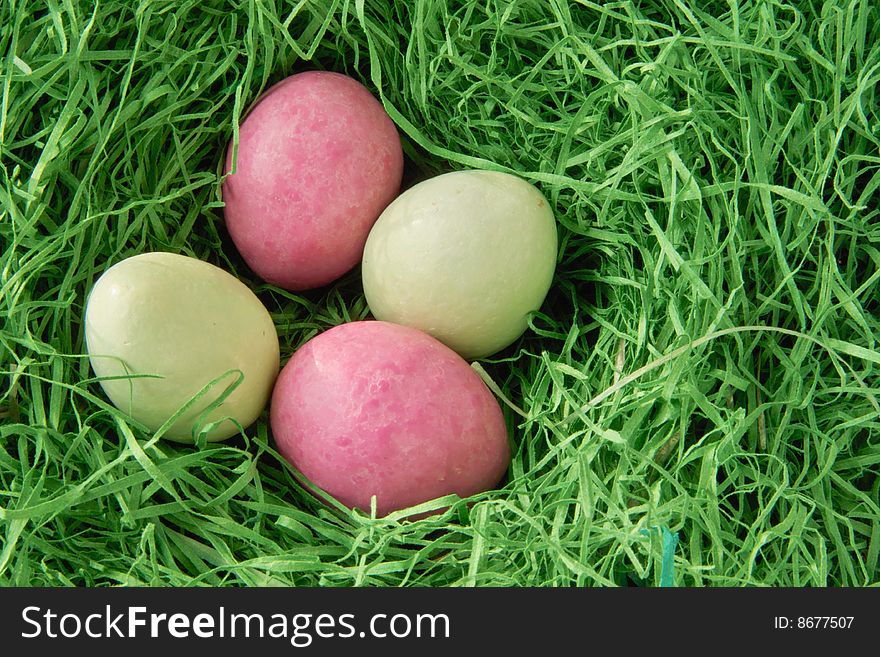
{"points": [[184, 323], [465, 257]]}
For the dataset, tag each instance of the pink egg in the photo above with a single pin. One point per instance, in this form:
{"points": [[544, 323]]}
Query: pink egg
{"points": [[318, 161], [372, 408]]}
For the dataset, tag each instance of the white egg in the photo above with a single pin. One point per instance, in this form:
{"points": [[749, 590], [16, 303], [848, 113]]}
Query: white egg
{"points": [[183, 323], [465, 257]]}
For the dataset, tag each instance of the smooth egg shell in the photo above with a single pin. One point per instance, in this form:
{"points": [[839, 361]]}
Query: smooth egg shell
{"points": [[465, 257], [188, 322], [371, 408], [318, 160]]}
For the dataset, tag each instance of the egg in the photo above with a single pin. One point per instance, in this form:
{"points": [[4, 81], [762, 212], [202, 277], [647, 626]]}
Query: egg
{"points": [[178, 323], [318, 160], [371, 408], [465, 257]]}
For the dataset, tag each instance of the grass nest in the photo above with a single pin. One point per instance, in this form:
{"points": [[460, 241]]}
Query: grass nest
{"points": [[696, 402]]}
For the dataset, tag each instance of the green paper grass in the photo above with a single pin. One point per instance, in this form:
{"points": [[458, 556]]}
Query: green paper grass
{"points": [[697, 403]]}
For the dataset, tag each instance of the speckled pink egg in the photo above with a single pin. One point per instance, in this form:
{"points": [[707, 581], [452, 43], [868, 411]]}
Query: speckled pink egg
{"points": [[373, 408], [318, 160]]}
